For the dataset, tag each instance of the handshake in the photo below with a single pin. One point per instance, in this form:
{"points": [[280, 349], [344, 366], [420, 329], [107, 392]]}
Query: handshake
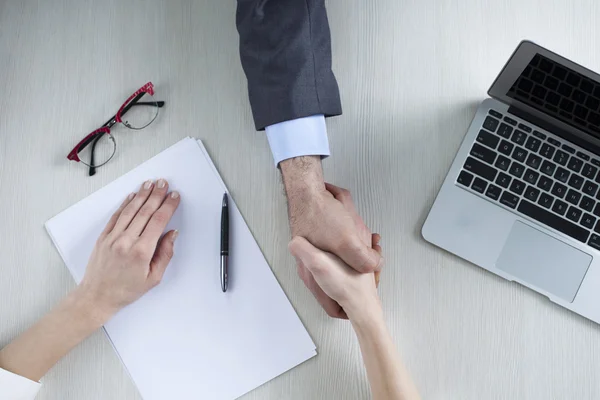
{"points": [[338, 258]]}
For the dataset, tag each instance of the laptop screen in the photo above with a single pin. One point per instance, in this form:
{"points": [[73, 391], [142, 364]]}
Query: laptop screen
{"points": [[561, 92]]}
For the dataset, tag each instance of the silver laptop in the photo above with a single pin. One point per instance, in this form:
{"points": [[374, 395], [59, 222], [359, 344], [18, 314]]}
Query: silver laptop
{"points": [[522, 198]]}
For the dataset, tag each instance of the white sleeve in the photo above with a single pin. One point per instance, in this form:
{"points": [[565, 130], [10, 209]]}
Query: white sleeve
{"points": [[16, 387], [305, 136]]}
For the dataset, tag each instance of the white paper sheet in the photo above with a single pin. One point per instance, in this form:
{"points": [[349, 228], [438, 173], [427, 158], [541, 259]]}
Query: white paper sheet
{"points": [[186, 339]]}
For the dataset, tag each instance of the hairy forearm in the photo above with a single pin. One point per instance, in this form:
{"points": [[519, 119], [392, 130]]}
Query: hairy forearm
{"points": [[35, 351], [302, 175], [387, 375]]}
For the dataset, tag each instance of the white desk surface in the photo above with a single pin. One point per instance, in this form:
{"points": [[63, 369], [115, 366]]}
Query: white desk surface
{"points": [[411, 75]]}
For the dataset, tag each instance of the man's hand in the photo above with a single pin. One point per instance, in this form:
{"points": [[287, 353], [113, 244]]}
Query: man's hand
{"points": [[325, 215]]}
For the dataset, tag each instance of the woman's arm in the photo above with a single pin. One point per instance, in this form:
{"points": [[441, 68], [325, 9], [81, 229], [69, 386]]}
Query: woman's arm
{"points": [[129, 259], [357, 294]]}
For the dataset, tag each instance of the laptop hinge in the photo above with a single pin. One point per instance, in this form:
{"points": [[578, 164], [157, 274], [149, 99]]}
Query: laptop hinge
{"points": [[554, 129]]}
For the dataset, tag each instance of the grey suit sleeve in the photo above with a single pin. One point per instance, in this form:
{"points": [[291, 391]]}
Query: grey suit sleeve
{"points": [[285, 48]]}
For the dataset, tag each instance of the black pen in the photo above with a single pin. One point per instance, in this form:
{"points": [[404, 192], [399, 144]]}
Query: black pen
{"points": [[224, 242]]}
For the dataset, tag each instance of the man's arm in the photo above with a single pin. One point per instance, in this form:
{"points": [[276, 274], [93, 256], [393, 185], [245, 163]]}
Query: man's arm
{"points": [[285, 48]]}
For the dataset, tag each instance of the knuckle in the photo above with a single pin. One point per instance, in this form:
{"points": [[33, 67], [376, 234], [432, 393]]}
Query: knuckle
{"points": [[141, 250], [122, 246], [161, 216], [345, 194], [146, 211]]}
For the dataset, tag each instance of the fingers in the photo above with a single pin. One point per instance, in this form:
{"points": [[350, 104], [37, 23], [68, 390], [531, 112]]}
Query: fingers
{"points": [[331, 307], [361, 257], [147, 210], [375, 244], [133, 207], [162, 256], [113, 220], [160, 218]]}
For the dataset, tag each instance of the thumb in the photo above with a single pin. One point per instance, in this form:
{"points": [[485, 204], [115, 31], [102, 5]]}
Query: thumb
{"points": [[359, 256], [306, 253], [162, 255]]}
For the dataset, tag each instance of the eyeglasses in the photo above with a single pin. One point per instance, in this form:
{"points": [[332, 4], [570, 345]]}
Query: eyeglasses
{"points": [[99, 147]]}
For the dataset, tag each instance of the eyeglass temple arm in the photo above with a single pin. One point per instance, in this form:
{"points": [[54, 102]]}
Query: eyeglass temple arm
{"points": [[134, 102]]}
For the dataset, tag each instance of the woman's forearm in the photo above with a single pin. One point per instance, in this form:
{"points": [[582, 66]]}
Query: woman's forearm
{"points": [[387, 375], [35, 351]]}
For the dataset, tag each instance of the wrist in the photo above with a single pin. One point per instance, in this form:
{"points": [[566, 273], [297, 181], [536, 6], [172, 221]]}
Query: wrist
{"points": [[87, 307], [364, 313]]}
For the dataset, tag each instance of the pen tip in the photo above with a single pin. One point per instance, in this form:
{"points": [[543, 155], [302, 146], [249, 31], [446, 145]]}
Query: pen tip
{"points": [[224, 199]]}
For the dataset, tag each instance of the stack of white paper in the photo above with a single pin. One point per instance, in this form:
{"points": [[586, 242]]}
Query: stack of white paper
{"points": [[186, 339]]}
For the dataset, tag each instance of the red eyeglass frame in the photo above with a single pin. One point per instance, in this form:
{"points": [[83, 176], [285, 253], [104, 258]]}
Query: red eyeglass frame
{"points": [[147, 88]]}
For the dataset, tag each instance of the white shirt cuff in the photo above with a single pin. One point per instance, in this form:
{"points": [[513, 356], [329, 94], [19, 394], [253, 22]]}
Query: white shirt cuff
{"points": [[16, 387], [305, 136]]}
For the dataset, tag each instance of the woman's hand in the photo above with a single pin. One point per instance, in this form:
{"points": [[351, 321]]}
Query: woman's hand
{"points": [[356, 292], [130, 257]]}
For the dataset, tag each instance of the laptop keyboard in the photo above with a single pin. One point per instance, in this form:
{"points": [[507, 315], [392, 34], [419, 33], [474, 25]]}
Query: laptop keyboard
{"points": [[540, 177]]}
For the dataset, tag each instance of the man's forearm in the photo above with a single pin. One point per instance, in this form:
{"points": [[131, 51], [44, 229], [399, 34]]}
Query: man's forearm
{"points": [[302, 175], [387, 375], [34, 352]]}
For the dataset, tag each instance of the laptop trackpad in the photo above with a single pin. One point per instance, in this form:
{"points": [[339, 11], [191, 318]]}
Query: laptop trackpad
{"points": [[544, 262]]}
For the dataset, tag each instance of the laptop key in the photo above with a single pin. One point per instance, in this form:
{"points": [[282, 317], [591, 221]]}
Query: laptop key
{"points": [[554, 142], [560, 207], [509, 200], [559, 190], [545, 183], [539, 135], [574, 214], [480, 169], [505, 131], [491, 124], [495, 113], [502, 162], [493, 192], [560, 157], [533, 143], [547, 150], [517, 186], [587, 203], [573, 197], [520, 154], [548, 168], [525, 128], [483, 153], [583, 156], [479, 185], [545, 200], [576, 181], [597, 210], [589, 171], [488, 139], [506, 147], [516, 169], [553, 221], [575, 164], [503, 180], [519, 137], [534, 161], [510, 121], [588, 220], [532, 193], [562, 175], [590, 188], [595, 241], [531, 176], [568, 149]]}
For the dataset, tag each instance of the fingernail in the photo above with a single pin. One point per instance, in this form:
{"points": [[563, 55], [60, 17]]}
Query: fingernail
{"points": [[161, 183], [148, 184], [131, 196], [174, 237], [381, 263], [174, 195]]}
